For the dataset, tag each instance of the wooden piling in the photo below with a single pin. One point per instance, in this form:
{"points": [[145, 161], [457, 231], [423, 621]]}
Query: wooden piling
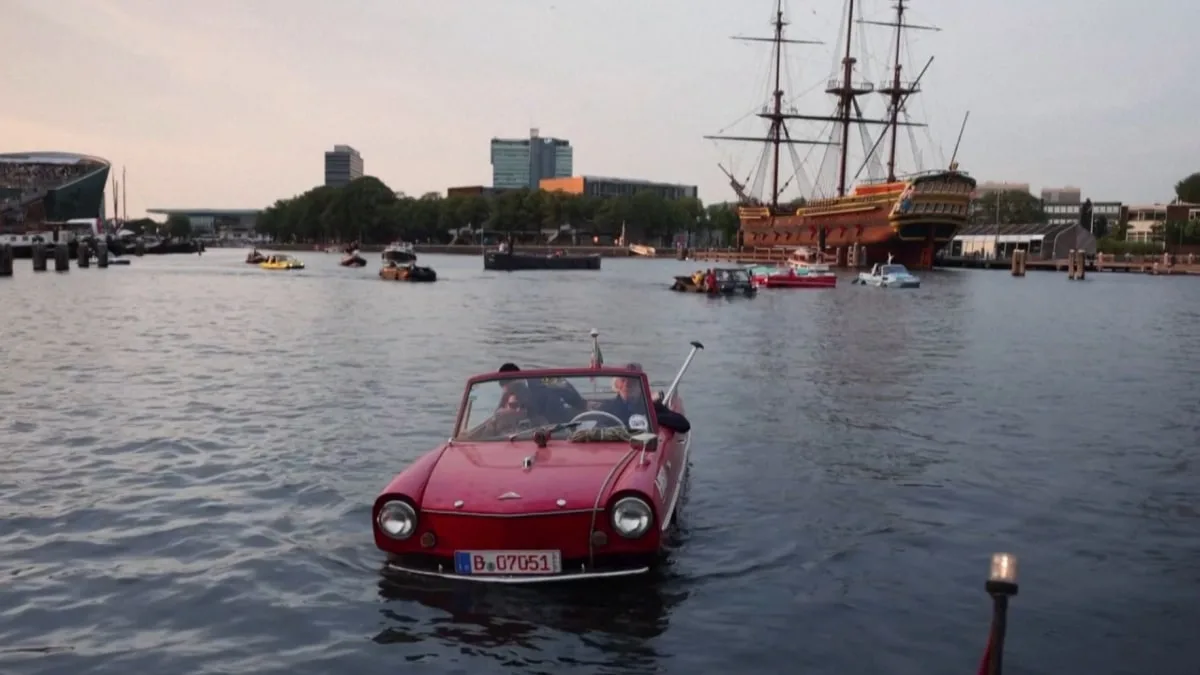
{"points": [[83, 256], [1071, 260], [1100, 262], [62, 257], [1018, 263], [6, 260], [102, 255], [39, 257], [1080, 264]]}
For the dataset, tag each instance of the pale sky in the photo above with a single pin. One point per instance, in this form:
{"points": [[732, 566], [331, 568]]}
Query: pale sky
{"points": [[232, 103]]}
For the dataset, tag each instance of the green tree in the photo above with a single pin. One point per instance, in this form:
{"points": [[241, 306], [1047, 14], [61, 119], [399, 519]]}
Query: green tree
{"points": [[1188, 189], [1013, 207], [179, 226], [369, 211]]}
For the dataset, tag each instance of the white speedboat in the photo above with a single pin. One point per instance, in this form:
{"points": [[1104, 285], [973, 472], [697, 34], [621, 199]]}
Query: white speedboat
{"points": [[399, 252], [891, 275]]}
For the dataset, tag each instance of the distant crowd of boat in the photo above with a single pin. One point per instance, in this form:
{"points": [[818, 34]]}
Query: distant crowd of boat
{"points": [[804, 268], [399, 262]]}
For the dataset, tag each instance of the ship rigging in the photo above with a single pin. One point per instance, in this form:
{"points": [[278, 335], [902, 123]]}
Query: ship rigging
{"points": [[847, 113]]}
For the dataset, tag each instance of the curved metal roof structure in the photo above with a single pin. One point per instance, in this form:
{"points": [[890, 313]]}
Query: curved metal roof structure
{"points": [[51, 157]]}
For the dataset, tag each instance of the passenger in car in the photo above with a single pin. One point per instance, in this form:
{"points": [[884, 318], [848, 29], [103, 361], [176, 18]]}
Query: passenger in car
{"points": [[630, 401], [555, 403]]}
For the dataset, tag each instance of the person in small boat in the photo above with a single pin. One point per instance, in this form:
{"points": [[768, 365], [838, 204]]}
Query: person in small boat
{"points": [[630, 401], [698, 277], [710, 281]]}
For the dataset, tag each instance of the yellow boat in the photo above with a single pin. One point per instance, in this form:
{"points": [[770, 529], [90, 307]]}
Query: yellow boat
{"points": [[281, 262]]}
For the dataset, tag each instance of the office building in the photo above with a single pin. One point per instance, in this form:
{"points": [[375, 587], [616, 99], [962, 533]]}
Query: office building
{"points": [[342, 165], [1063, 195], [525, 162], [990, 186], [597, 186]]}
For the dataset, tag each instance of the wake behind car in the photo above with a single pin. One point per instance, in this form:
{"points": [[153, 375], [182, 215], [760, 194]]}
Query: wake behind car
{"points": [[549, 475]]}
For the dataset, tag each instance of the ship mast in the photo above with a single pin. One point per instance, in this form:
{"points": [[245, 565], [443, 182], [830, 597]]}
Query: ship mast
{"points": [[777, 135], [897, 91], [845, 90], [846, 94]]}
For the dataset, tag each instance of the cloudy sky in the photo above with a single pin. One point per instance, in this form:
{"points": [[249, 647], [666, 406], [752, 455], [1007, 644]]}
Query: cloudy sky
{"points": [[231, 103]]}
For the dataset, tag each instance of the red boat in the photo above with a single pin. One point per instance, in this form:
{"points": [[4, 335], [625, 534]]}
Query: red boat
{"points": [[805, 269], [540, 482]]}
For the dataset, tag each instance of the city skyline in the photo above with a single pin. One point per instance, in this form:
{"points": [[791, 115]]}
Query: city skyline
{"points": [[189, 97]]}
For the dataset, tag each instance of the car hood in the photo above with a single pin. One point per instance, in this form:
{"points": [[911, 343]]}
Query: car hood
{"points": [[492, 477]]}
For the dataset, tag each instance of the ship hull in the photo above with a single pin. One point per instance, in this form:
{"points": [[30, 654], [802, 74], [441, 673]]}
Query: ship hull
{"points": [[908, 220]]}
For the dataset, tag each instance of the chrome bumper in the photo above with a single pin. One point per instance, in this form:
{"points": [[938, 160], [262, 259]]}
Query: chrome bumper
{"points": [[531, 579]]}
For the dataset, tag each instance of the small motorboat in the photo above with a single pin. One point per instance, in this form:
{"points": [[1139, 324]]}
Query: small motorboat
{"points": [[255, 258], [891, 275], [409, 272], [281, 261], [729, 281], [353, 259], [766, 276], [506, 498], [399, 252]]}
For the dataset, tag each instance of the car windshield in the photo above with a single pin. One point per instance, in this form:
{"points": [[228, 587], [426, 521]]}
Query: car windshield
{"points": [[496, 408]]}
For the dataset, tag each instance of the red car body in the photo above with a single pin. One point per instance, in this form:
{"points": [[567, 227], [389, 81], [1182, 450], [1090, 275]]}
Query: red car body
{"points": [[518, 504]]}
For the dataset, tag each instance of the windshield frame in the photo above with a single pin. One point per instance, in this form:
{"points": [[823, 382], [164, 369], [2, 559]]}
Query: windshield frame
{"points": [[606, 373]]}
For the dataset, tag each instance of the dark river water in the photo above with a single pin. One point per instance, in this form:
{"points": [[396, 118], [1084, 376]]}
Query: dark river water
{"points": [[191, 446]]}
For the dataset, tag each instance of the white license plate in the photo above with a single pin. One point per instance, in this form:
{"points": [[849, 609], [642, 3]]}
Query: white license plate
{"points": [[507, 562]]}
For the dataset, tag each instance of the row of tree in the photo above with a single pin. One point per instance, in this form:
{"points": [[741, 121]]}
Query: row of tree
{"points": [[368, 211]]}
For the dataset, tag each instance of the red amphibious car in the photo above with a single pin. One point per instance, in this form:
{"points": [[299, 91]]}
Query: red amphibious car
{"points": [[550, 475]]}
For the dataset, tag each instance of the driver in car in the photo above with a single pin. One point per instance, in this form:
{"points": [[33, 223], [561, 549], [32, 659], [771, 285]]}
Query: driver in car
{"points": [[630, 401]]}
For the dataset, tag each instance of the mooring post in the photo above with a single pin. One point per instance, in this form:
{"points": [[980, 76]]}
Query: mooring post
{"points": [[82, 255], [140, 249], [62, 257], [6, 260], [39, 257], [102, 254], [1081, 264], [1099, 262], [1018, 263], [1071, 260]]}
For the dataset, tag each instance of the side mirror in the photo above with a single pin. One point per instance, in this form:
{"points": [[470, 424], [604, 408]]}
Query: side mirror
{"points": [[646, 442]]}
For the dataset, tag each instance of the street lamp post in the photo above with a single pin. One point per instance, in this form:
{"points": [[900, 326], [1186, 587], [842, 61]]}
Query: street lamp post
{"points": [[1001, 585]]}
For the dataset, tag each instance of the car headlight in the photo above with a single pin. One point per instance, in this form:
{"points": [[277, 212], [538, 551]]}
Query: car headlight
{"points": [[397, 519], [631, 517]]}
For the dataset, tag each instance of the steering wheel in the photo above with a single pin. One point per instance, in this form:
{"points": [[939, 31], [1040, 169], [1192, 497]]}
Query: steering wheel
{"points": [[580, 417]]}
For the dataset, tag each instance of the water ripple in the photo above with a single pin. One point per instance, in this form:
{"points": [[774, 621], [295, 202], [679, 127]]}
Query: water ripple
{"points": [[193, 446]]}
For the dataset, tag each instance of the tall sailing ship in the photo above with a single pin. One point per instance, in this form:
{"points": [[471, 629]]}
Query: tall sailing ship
{"points": [[908, 217]]}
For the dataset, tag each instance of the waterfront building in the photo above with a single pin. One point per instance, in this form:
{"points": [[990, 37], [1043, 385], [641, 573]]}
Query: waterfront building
{"points": [[217, 223], [1043, 241], [342, 165], [603, 187], [525, 162], [37, 187]]}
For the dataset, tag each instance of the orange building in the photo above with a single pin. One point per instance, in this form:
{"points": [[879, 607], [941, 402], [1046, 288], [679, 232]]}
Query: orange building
{"points": [[596, 186]]}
